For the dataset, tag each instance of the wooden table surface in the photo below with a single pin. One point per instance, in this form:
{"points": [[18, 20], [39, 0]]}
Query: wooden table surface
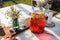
{"points": [[7, 32]]}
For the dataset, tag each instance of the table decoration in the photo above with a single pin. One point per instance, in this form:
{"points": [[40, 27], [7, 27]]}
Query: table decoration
{"points": [[14, 14]]}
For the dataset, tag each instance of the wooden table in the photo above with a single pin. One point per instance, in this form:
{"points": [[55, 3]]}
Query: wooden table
{"points": [[7, 32]]}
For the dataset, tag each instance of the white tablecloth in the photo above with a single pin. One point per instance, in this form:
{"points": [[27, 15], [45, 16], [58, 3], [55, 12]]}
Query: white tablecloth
{"points": [[26, 11], [27, 35]]}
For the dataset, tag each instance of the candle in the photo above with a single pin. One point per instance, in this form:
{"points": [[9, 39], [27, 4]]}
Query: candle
{"points": [[50, 15]]}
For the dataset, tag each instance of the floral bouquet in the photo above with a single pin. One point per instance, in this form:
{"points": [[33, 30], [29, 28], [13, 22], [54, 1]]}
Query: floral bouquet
{"points": [[14, 14]]}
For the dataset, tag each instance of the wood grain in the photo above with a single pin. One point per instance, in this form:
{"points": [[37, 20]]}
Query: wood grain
{"points": [[7, 32]]}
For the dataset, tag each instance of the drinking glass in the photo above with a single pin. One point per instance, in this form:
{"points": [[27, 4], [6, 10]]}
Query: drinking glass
{"points": [[37, 22]]}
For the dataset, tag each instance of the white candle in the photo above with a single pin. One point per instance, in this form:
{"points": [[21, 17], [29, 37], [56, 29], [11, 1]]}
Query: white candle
{"points": [[50, 15]]}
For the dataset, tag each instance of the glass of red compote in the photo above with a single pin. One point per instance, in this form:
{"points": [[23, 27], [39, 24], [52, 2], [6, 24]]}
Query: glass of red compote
{"points": [[37, 22]]}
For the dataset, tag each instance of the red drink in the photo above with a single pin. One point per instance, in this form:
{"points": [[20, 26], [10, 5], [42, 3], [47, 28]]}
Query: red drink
{"points": [[37, 22]]}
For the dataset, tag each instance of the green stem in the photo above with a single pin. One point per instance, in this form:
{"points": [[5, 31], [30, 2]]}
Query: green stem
{"points": [[15, 22]]}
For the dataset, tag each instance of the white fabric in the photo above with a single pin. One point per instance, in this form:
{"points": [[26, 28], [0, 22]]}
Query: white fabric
{"points": [[25, 12], [27, 35]]}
